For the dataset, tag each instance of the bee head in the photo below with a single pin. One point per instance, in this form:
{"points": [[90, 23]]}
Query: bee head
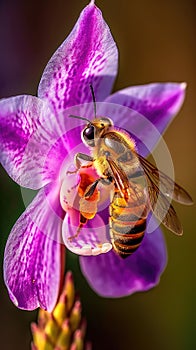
{"points": [[95, 129]]}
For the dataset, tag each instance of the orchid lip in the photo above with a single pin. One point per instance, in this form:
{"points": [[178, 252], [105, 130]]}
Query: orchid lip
{"points": [[87, 250]]}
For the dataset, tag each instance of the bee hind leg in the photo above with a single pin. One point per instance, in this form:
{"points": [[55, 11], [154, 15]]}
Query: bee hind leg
{"points": [[77, 233], [83, 221]]}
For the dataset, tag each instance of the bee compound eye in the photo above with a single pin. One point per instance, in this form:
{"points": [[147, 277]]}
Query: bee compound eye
{"points": [[89, 132]]}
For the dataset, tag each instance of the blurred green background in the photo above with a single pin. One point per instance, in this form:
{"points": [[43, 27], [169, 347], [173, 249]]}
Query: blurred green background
{"points": [[156, 40]]}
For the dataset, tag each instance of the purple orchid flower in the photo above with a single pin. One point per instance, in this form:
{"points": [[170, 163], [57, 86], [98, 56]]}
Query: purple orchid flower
{"points": [[38, 141]]}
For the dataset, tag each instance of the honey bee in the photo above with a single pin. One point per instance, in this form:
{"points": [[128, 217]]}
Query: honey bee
{"points": [[135, 188]]}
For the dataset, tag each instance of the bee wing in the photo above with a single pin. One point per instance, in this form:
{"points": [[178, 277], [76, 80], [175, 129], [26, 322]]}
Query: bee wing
{"points": [[120, 178], [163, 210], [169, 188]]}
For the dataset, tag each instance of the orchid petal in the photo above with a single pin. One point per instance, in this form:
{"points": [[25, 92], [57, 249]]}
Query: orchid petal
{"points": [[88, 56], [158, 103], [111, 276], [21, 153], [34, 142], [92, 238], [53, 144], [33, 252]]}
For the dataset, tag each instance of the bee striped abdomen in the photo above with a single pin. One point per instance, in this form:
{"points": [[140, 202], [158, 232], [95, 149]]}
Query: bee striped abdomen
{"points": [[127, 224]]}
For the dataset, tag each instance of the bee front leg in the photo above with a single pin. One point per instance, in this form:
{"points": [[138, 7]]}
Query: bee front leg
{"points": [[105, 181], [77, 161]]}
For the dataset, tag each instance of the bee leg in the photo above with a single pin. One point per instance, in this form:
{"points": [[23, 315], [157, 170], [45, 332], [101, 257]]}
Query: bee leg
{"points": [[104, 181], [77, 161], [81, 156], [73, 187], [83, 221], [92, 188], [107, 181], [77, 233]]}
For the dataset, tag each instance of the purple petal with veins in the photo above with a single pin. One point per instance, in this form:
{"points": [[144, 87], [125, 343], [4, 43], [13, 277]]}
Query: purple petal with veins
{"points": [[19, 121], [33, 142], [111, 276], [158, 103], [88, 56], [32, 263]]}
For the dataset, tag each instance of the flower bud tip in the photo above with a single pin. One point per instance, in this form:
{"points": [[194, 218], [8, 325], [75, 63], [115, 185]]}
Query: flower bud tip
{"points": [[69, 276], [183, 85]]}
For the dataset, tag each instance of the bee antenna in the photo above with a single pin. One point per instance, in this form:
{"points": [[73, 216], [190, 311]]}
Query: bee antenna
{"points": [[78, 117], [94, 101]]}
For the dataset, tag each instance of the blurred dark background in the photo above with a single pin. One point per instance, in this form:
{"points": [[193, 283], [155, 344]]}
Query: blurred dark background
{"points": [[156, 40]]}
